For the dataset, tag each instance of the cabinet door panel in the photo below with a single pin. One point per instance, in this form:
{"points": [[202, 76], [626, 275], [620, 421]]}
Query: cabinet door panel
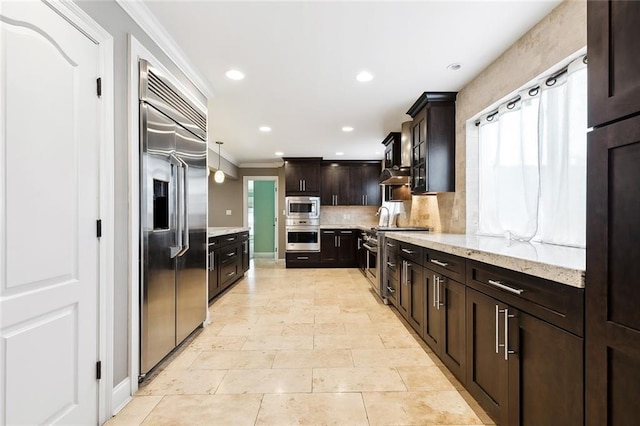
{"points": [[612, 318], [403, 292], [328, 246], [614, 63], [453, 326], [432, 323], [550, 383], [487, 370], [417, 299]]}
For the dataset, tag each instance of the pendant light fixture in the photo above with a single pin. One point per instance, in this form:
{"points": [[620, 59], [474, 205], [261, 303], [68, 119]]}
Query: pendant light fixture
{"points": [[218, 176]]}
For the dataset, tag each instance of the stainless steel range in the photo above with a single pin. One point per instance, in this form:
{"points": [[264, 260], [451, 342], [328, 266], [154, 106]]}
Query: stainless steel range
{"points": [[375, 244]]}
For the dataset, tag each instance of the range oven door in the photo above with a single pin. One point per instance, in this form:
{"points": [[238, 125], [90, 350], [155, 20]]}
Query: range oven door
{"points": [[371, 266], [303, 238]]}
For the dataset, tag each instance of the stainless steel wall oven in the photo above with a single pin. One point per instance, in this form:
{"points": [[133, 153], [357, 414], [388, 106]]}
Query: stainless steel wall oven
{"points": [[303, 234]]}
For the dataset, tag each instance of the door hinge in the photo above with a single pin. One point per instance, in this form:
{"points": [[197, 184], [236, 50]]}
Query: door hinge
{"points": [[99, 370], [99, 228], [99, 87]]}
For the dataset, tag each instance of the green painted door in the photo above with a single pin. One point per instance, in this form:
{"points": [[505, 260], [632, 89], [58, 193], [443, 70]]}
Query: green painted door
{"points": [[263, 212]]}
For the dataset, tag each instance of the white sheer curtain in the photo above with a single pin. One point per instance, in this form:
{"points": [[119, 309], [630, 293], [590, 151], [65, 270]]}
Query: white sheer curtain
{"points": [[532, 163], [563, 159]]}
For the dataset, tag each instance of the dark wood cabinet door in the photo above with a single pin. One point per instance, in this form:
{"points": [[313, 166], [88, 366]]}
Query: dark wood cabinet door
{"points": [[614, 63], [335, 185], [371, 186], [546, 373], [613, 268], [328, 246], [432, 323], [214, 279], [419, 153], [346, 247], [416, 311], [302, 176], [403, 293], [441, 147], [452, 344], [487, 370]]}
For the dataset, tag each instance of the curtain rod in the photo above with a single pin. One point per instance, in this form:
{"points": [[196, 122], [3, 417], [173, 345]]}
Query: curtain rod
{"points": [[550, 81]]}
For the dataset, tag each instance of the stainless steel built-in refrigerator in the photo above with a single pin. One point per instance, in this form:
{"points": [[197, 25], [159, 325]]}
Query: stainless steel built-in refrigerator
{"points": [[173, 214]]}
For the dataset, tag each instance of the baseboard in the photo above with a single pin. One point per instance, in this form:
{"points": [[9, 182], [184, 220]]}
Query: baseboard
{"points": [[121, 395], [261, 255]]}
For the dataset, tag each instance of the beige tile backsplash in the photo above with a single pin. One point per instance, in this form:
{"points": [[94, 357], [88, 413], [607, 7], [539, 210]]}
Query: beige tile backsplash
{"points": [[349, 215]]}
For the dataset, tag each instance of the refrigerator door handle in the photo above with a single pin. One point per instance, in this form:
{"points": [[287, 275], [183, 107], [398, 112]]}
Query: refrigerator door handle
{"points": [[177, 249], [183, 212]]}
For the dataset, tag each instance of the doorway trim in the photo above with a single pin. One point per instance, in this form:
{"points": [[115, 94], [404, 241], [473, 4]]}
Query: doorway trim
{"points": [[245, 207]]}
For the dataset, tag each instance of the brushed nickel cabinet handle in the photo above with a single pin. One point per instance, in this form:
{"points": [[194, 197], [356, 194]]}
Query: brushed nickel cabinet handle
{"points": [[502, 286], [439, 263]]}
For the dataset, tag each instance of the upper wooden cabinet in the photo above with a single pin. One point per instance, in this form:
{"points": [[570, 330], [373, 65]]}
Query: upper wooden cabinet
{"points": [[302, 176], [613, 200], [392, 156], [350, 183], [614, 63], [433, 143]]}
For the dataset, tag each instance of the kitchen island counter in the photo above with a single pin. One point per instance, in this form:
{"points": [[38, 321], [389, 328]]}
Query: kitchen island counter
{"points": [[565, 265], [216, 231]]}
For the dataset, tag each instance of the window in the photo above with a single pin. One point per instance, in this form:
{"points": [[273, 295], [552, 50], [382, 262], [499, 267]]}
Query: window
{"points": [[532, 162]]}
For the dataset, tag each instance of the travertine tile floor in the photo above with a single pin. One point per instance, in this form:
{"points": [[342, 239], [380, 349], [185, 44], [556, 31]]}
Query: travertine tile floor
{"points": [[302, 346]]}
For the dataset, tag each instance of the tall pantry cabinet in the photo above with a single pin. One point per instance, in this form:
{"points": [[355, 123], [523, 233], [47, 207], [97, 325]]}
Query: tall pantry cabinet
{"points": [[613, 202]]}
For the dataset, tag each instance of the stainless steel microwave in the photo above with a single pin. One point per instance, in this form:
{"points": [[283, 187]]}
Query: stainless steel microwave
{"points": [[303, 207]]}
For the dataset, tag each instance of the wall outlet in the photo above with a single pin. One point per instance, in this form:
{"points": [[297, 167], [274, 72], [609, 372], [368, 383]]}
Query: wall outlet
{"points": [[228, 212]]}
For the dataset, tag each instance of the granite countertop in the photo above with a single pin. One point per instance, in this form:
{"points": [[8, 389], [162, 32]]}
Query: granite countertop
{"points": [[565, 265], [216, 231], [343, 226]]}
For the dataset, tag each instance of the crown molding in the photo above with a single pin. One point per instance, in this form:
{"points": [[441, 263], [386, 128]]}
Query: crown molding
{"points": [[213, 155], [265, 165], [150, 25]]}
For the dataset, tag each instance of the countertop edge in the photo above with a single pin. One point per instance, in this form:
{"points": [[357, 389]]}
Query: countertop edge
{"points": [[563, 275], [219, 231]]}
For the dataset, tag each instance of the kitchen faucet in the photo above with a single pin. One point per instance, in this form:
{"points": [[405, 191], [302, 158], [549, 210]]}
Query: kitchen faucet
{"points": [[388, 213]]}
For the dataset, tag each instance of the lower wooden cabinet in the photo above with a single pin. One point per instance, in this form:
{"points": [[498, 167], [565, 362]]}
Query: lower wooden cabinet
{"points": [[522, 370], [228, 261], [338, 247], [517, 347], [303, 259]]}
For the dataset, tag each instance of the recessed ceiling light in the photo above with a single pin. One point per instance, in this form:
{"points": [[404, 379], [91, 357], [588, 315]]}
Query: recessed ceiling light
{"points": [[454, 67], [264, 128], [347, 129], [234, 75], [377, 152], [339, 153], [364, 76], [279, 154]]}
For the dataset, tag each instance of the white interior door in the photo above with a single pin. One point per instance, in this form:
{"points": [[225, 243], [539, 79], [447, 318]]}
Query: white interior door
{"points": [[49, 204]]}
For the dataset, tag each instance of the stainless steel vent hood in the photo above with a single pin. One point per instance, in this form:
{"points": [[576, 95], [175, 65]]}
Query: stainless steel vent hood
{"points": [[396, 176], [398, 163]]}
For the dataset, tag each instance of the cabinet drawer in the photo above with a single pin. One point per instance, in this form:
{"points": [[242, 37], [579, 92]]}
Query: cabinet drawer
{"points": [[559, 304], [229, 273], [391, 266], [411, 252], [391, 245], [214, 242], [229, 254], [392, 290], [228, 239], [303, 259], [446, 264], [243, 236]]}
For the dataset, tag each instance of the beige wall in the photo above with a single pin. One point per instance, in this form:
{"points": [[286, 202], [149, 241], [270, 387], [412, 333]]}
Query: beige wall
{"points": [[228, 196], [558, 35]]}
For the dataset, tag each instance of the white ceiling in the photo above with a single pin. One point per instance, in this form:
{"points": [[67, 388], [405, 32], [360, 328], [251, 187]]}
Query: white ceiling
{"points": [[300, 59]]}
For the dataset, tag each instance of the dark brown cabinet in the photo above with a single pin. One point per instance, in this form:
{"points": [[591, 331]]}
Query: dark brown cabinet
{"points": [[228, 261], [335, 184], [302, 176], [350, 183], [365, 189], [524, 346], [392, 152], [522, 370], [338, 247], [411, 288], [444, 328], [613, 201], [433, 143], [614, 65]]}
